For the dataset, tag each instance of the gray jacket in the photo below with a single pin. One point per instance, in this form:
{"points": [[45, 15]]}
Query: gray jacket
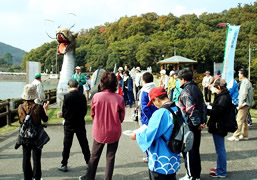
{"points": [[244, 92]]}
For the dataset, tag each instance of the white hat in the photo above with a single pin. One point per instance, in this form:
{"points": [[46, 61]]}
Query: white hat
{"points": [[163, 71], [172, 73], [120, 69], [138, 68], [77, 67], [29, 92]]}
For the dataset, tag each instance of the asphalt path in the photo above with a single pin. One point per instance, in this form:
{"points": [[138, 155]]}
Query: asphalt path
{"points": [[241, 156]]}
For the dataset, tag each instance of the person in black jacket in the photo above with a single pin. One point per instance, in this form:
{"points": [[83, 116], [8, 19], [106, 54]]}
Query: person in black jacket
{"points": [[74, 110], [216, 125], [194, 108]]}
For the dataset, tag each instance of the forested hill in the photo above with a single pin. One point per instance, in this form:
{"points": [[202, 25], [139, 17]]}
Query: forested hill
{"points": [[143, 40], [16, 53]]}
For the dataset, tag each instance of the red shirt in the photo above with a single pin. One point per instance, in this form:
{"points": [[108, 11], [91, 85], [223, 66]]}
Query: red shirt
{"points": [[108, 112]]}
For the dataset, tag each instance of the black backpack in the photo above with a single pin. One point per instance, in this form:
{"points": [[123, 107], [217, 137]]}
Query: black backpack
{"points": [[27, 129], [230, 123], [181, 139]]}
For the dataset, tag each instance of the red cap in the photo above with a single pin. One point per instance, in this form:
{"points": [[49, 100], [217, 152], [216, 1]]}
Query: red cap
{"points": [[155, 92]]}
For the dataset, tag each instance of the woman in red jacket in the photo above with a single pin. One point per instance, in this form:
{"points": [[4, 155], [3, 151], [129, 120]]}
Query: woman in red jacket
{"points": [[108, 112]]}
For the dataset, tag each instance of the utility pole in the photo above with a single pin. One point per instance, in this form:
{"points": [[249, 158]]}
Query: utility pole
{"points": [[249, 70]]}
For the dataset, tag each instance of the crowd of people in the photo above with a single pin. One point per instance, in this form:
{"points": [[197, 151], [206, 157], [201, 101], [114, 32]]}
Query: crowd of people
{"points": [[108, 112]]}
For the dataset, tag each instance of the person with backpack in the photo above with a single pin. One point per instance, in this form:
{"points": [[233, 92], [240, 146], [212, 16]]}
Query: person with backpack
{"points": [[163, 163], [194, 109], [38, 113], [245, 102], [219, 115]]}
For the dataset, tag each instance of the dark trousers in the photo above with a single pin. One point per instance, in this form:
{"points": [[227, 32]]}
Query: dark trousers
{"points": [[192, 158], [128, 97], [67, 143], [95, 157], [157, 176], [207, 95], [81, 89], [137, 90], [30, 173]]}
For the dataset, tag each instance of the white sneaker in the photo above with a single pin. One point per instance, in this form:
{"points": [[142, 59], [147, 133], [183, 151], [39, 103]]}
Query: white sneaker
{"points": [[186, 177], [232, 138], [241, 137]]}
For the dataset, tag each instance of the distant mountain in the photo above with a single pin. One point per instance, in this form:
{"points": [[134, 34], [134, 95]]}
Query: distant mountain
{"points": [[15, 52]]}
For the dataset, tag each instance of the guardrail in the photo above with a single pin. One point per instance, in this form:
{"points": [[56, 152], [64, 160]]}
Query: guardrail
{"points": [[10, 105]]}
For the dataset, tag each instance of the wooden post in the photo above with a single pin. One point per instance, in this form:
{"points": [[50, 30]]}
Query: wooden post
{"points": [[49, 95], [8, 117]]}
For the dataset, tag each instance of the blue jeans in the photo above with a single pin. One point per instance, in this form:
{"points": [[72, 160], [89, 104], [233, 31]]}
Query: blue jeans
{"points": [[219, 142]]}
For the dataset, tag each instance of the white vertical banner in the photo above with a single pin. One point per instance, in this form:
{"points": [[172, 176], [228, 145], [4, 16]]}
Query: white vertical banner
{"points": [[32, 68], [229, 55]]}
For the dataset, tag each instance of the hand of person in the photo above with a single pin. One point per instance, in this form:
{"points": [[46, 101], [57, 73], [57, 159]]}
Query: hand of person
{"points": [[132, 136], [45, 106], [202, 126]]}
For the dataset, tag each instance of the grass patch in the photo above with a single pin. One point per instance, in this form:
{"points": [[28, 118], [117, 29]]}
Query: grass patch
{"points": [[254, 115], [12, 127]]}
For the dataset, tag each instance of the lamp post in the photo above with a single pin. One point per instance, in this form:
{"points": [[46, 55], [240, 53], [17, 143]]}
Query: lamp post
{"points": [[249, 69]]}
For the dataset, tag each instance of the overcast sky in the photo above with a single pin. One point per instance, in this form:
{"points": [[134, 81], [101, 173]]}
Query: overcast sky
{"points": [[24, 23]]}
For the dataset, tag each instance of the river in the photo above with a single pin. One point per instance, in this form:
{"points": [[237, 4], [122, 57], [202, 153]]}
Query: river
{"points": [[10, 90]]}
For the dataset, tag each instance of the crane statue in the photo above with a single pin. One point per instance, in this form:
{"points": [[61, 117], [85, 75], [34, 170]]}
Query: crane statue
{"points": [[66, 46]]}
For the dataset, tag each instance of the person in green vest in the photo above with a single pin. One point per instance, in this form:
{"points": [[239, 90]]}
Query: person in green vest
{"points": [[80, 78]]}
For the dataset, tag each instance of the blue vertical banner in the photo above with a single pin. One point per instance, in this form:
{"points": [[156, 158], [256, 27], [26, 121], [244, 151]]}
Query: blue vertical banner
{"points": [[229, 55]]}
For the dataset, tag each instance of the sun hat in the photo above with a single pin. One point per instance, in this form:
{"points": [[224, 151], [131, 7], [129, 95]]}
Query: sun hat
{"points": [[163, 71], [37, 75], [172, 73], [77, 67], [155, 92], [207, 72], [120, 69], [29, 92], [138, 68]]}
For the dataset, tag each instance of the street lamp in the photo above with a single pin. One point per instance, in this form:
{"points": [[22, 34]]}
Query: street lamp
{"points": [[249, 69]]}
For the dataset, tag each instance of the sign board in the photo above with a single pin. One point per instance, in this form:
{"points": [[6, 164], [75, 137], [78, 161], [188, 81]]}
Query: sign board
{"points": [[31, 69]]}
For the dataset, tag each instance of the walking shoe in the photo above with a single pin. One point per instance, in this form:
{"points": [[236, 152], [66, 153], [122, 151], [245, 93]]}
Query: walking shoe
{"points": [[83, 177], [241, 137], [213, 170], [63, 168], [232, 138], [186, 177], [216, 175]]}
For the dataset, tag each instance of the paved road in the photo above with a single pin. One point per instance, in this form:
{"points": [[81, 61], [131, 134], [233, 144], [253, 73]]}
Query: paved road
{"points": [[241, 157]]}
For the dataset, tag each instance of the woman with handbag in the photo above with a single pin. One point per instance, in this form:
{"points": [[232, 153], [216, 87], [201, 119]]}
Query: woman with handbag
{"points": [[38, 114]]}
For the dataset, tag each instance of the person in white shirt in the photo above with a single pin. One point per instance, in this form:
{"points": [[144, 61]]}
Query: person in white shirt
{"points": [[206, 86], [87, 87], [164, 79], [40, 89], [138, 81]]}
